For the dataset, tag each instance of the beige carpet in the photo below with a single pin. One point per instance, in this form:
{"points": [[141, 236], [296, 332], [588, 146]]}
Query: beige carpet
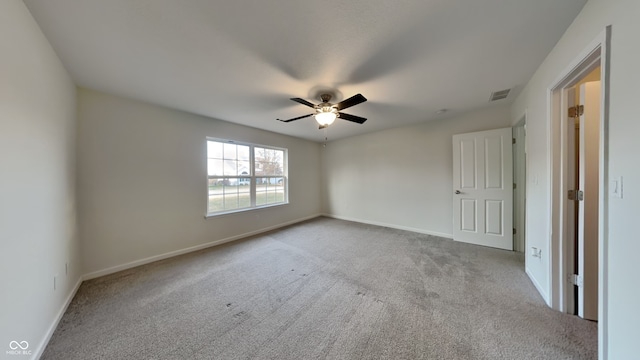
{"points": [[322, 289]]}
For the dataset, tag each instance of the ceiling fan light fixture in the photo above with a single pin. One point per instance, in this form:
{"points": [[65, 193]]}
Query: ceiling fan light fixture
{"points": [[326, 116], [326, 113]]}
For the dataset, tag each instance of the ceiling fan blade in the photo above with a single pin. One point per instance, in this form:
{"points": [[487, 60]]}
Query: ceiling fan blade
{"points": [[303, 102], [296, 118], [354, 100], [353, 118]]}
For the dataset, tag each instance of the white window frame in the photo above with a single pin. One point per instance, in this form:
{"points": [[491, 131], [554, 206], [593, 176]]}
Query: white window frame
{"points": [[252, 176]]}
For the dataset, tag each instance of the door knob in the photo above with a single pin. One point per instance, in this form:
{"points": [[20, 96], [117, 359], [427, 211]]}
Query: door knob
{"points": [[458, 192]]}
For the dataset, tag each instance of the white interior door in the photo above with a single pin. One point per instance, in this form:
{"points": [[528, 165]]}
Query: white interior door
{"points": [[588, 207], [483, 188]]}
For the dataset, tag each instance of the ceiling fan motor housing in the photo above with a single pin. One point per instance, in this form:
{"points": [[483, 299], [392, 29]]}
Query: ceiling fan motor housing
{"points": [[325, 98]]}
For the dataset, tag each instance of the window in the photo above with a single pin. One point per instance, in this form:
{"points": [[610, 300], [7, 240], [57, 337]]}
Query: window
{"points": [[244, 176]]}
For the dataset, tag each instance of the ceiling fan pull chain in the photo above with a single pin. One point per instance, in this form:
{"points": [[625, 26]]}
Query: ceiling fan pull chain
{"points": [[325, 136]]}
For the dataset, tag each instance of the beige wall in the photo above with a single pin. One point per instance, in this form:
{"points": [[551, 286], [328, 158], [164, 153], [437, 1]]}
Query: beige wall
{"points": [[37, 179], [400, 177], [620, 313], [142, 182]]}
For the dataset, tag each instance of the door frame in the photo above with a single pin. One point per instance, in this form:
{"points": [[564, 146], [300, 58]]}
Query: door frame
{"points": [[597, 53], [520, 196]]}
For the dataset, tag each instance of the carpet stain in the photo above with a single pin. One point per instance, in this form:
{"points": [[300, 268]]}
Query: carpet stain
{"points": [[239, 315], [433, 295]]}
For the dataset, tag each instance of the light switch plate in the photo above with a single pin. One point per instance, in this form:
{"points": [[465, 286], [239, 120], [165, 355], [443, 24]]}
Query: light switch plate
{"points": [[616, 187]]}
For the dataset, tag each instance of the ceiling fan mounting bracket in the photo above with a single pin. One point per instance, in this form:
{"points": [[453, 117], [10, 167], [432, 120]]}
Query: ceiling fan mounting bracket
{"points": [[325, 98]]}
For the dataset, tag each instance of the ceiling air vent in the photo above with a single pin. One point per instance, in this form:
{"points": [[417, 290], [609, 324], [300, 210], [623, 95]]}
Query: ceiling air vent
{"points": [[499, 95]]}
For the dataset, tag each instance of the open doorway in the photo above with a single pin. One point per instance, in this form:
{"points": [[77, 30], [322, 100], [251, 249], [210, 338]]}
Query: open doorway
{"points": [[575, 261], [578, 186], [583, 173]]}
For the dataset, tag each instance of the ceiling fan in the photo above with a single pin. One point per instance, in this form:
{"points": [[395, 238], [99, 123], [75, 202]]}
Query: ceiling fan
{"points": [[326, 112]]}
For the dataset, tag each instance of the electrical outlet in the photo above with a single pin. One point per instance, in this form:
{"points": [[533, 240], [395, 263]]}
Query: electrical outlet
{"points": [[66, 269], [535, 252], [54, 282]]}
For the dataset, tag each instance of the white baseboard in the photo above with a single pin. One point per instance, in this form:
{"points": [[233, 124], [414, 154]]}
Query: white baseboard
{"points": [[543, 293], [151, 259], [393, 226], [52, 328]]}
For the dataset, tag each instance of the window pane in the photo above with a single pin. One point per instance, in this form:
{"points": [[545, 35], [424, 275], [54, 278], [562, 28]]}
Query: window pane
{"points": [[229, 193], [261, 198], [216, 186], [258, 160], [214, 149], [230, 201], [269, 161], [261, 190], [231, 188], [244, 200], [268, 154], [216, 203], [230, 151], [279, 162], [216, 197], [244, 167], [272, 197], [243, 152], [270, 190], [230, 167], [215, 167]]}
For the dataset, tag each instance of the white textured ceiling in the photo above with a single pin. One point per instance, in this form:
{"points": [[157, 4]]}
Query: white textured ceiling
{"points": [[241, 60]]}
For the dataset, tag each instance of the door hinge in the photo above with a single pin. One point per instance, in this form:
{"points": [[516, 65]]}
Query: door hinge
{"points": [[514, 185], [513, 140], [514, 231], [576, 280], [576, 111], [575, 195]]}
